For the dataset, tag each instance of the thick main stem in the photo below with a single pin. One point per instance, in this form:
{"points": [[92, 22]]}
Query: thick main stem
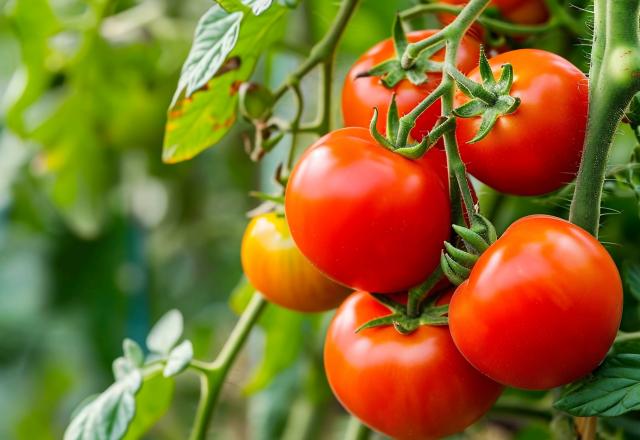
{"points": [[214, 374], [613, 80]]}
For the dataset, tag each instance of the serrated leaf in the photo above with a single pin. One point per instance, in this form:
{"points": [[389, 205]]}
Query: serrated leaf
{"points": [[166, 333], [200, 121], [108, 416], [152, 402], [612, 390], [133, 352], [179, 359], [631, 277], [215, 36]]}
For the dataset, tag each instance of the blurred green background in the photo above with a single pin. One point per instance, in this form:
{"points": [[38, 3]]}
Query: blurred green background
{"points": [[98, 238]]}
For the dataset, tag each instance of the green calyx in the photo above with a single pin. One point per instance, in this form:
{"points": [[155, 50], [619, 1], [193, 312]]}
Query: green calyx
{"points": [[456, 263], [401, 321], [391, 71], [489, 100], [390, 141]]}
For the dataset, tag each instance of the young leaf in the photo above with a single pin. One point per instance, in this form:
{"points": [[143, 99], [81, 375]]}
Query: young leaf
{"points": [[179, 359], [133, 352], [108, 416], [258, 6], [166, 333], [612, 390], [122, 367]]}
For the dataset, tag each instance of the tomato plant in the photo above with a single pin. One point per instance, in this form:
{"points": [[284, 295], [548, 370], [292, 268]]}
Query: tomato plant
{"points": [[537, 148], [366, 217], [436, 393], [276, 268], [531, 301], [361, 94]]}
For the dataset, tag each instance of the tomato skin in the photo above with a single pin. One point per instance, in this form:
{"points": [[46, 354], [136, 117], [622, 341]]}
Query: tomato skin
{"points": [[367, 217], [277, 269], [537, 148], [517, 11], [414, 386], [361, 95], [541, 307]]}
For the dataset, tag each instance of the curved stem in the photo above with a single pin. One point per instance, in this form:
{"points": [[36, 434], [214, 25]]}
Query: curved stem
{"points": [[614, 79], [324, 50], [624, 336], [213, 374]]}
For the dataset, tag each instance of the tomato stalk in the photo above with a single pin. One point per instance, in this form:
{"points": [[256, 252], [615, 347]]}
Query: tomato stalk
{"points": [[357, 431], [213, 374], [614, 78]]}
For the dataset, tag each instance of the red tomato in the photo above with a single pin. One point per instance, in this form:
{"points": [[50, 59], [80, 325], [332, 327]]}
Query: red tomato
{"points": [[361, 95], [541, 307], [516, 11], [414, 386], [367, 217], [275, 267], [537, 148]]}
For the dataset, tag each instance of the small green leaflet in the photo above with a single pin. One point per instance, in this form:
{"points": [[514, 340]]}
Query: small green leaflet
{"points": [[108, 416], [179, 359], [166, 333], [613, 389]]}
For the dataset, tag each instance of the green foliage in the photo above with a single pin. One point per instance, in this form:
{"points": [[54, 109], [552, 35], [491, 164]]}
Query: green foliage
{"points": [[224, 54]]}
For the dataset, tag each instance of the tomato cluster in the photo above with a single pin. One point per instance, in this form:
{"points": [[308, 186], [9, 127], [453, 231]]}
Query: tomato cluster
{"points": [[365, 217]]}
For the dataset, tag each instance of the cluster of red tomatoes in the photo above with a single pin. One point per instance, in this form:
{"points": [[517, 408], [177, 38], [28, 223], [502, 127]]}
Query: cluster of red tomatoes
{"points": [[541, 306]]}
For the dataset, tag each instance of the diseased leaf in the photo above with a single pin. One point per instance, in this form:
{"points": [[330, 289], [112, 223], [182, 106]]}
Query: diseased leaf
{"points": [[613, 389], [166, 333], [179, 359], [199, 121]]}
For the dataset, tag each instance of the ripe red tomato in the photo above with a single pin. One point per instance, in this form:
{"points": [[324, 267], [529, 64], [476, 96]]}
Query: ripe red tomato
{"points": [[541, 307], [414, 386], [361, 95], [516, 11], [275, 267], [367, 217], [537, 148]]}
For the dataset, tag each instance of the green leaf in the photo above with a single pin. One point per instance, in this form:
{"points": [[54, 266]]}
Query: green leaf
{"points": [[166, 333], [108, 416], [122, 367], [258, 6], [215, 37], [201, 120], [631, 278], [133, 352], [612, 390], [179, 359], [152, 402], [400, 42]]}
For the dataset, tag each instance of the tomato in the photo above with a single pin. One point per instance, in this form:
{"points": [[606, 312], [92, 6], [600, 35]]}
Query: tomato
{"points": [[276, 268], [537, 148], [516, 11], [541, 307], [361, 95], [414, 386], [366, 217]]}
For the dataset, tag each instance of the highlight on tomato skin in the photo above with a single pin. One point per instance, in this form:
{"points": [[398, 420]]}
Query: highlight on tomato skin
{"points": [[365, 216], [536, 149], [541, 307], [408, 387], [360, 95], [278, 270]]}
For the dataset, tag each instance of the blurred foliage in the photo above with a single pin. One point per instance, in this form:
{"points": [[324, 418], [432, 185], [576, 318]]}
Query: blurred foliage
{"points": [[98, 238]]}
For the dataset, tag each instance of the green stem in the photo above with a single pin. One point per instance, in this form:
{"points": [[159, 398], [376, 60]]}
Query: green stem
{"points": [[614, 79], [324, 50], [356, 430], [213, 374], [624, 337]]}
